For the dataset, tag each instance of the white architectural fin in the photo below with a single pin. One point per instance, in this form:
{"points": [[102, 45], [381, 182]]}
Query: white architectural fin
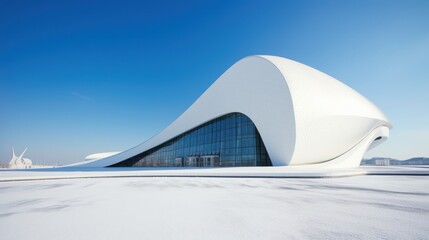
{"points": [[13, 153], [22, 155]]}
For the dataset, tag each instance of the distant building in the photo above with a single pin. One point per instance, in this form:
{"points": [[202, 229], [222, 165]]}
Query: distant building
{"points": [[377, 162], [382, 162], [389, 161], [20, 162]]}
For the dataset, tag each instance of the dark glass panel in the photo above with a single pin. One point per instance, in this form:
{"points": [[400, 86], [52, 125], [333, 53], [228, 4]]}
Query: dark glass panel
{"points": [[228, 141]]}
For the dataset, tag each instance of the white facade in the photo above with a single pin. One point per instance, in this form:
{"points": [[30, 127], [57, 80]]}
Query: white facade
{"points": [[20, 162], [304, 117]]}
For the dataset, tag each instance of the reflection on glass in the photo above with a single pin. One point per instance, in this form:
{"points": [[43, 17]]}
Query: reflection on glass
{"points": [[227, 141]]}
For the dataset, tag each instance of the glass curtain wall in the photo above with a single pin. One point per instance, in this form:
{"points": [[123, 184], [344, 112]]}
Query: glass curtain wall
{"points": [[228, 141]]}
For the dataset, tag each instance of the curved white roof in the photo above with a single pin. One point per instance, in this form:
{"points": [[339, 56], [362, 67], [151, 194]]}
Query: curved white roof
{"points": [[303, 115]]}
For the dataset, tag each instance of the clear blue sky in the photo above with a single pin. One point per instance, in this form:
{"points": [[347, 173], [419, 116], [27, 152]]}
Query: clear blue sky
{"points": [[94, 76]]}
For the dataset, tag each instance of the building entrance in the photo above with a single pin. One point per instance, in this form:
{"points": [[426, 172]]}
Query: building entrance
{"points": [[203, 161]]}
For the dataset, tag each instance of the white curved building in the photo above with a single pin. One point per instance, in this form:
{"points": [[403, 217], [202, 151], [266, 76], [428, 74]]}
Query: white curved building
{"points": [[20, 162], [265, 111]]}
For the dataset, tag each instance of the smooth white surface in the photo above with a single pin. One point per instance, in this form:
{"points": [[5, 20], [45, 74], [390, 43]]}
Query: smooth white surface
{"points": [[362, 207], [100, 155], [304, 116], [330, 117]]}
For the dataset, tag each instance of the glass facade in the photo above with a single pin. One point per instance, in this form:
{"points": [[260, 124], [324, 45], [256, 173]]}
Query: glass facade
{"points": [[228, 141]]}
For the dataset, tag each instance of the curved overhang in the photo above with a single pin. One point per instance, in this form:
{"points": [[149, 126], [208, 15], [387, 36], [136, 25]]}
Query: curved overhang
{"points": [[253, 86], [303, 115], [331, 118]]}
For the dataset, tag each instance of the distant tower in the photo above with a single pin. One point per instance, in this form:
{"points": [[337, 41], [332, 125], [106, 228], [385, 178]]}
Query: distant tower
{"points": [[20, 162]]}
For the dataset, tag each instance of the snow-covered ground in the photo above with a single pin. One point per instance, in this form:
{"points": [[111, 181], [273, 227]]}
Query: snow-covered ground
{"points": [[359, 207], [280, 172]]}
